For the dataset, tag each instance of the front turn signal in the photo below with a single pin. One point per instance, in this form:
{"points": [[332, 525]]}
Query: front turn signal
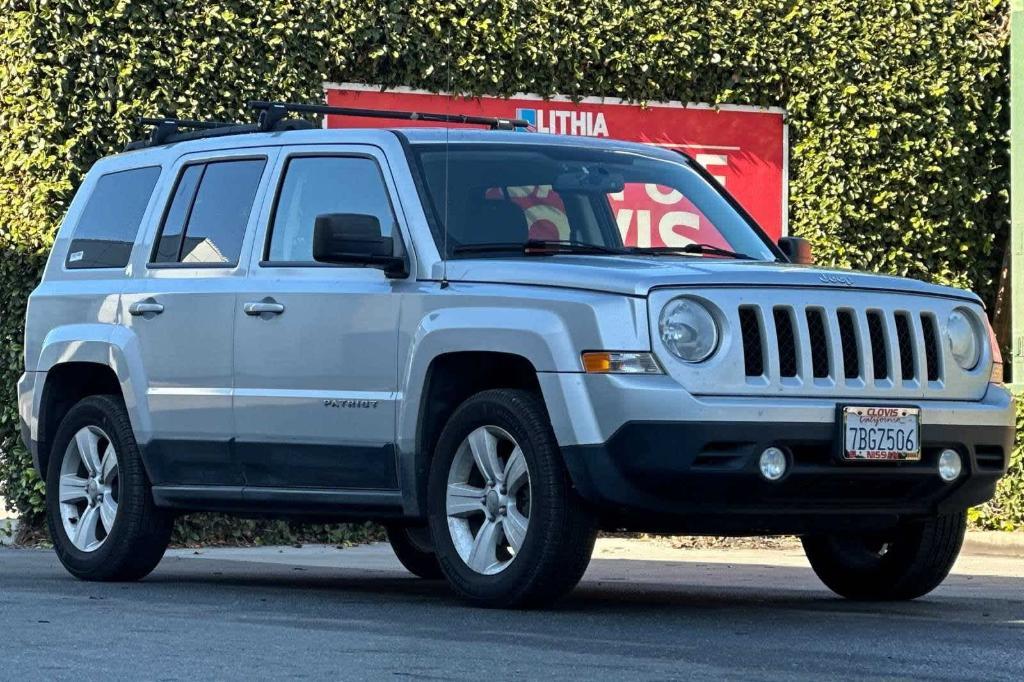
{"points": [[612, 362], [997, 356]]}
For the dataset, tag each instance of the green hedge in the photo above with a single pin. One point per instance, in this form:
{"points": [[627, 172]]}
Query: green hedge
{"points": [[898, 109]]}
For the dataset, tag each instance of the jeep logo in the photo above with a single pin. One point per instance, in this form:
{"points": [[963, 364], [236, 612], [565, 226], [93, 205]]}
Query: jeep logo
{"points": [[835, 279]]}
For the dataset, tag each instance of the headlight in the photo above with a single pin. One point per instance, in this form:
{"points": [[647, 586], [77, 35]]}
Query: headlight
{"points": [[964, 337], [688, 330]]}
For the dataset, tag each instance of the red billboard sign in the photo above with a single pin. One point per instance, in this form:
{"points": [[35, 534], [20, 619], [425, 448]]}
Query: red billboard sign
{"points": [[745, 148]]}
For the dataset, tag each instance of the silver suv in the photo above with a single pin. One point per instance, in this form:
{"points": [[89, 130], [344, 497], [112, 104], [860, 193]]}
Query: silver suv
{"points": [[451, 332]]}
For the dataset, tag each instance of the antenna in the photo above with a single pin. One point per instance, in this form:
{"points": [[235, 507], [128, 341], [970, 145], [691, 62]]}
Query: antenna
{"points": [[447, 152]]}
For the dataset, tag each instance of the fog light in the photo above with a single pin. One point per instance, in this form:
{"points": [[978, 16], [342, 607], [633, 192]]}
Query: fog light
{"points": [[950, 465], [773, 464]]}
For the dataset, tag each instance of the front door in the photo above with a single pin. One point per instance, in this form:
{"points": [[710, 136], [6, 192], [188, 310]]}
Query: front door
{"points": [[179, 305], [316, 380]]}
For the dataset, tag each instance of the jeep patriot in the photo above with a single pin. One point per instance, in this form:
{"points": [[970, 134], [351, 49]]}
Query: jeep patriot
{"points": [[453, 333]]}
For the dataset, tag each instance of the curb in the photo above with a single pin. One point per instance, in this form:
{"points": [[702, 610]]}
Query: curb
{"points": [[994, 543], [977, 542]]}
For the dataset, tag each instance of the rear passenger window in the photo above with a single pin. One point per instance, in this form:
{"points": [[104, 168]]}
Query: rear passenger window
{"points": [[314, 185], [110, 220], [205, 222]]}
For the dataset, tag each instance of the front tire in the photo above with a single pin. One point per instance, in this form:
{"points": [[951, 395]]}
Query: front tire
{"points": [[905, 564], [508, 528], [99, 506]]}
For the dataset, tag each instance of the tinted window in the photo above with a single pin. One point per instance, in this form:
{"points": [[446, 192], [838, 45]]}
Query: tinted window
{"points": [[169, 246], [317, 185], [206, 220], [504, 195], [110, 220]]}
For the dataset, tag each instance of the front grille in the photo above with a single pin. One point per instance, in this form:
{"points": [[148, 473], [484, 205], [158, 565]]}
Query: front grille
{"points": [[879, 346]]}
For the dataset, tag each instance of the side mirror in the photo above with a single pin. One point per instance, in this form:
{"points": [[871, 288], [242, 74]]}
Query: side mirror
{"points": [[797, 250], [355, 239]]}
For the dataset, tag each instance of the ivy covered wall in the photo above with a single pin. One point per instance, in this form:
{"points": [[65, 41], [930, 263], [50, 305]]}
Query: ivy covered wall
{"points": [[898, 109]]}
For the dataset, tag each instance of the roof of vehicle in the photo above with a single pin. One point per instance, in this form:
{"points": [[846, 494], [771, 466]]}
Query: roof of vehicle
{"points": [[378, 135], [441, 135]]}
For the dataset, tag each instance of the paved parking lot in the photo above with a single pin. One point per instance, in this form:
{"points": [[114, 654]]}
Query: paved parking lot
{"points": [[644, 611]]}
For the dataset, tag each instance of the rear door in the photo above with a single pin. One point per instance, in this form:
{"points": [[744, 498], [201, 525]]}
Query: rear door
{"points": [[316, 380], [180, 304]]}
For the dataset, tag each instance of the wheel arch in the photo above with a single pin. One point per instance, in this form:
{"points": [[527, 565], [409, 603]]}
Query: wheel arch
{"points": [[449, 380], [82, 360]]}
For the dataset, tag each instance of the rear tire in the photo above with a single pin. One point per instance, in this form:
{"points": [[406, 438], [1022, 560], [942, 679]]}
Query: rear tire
{"points": [[414, 549], [905, 564], [515, 535], [99, 505]]}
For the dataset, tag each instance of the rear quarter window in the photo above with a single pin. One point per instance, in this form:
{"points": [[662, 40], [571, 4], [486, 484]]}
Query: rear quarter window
{"points": [[110, 221]]}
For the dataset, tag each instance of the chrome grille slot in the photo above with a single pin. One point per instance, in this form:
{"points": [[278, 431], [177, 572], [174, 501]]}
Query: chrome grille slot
{"points": [[848, 339], [876, 332], [753, 347], [905, 339], [819, 342], [786, 341], [931, 346]]}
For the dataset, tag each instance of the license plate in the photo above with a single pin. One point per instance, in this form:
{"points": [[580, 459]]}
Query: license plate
{"points": [[881, 433]]}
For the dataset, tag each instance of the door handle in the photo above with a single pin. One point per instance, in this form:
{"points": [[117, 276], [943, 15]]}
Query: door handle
{"points": [[147, 308], [266, 307]]}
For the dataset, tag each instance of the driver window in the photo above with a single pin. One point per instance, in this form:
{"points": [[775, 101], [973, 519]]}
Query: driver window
{"points": [[314, 185]]}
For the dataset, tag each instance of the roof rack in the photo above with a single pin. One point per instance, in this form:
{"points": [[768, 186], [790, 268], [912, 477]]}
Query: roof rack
{"points": [[166, 130], [273, 117], [274, 111]]}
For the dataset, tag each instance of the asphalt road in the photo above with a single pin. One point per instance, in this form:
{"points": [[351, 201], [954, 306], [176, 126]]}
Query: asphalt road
{"points": [[321, 613]]}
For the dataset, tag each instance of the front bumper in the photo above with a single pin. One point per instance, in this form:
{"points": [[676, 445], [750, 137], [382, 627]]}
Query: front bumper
{"points": [[698, 472]]}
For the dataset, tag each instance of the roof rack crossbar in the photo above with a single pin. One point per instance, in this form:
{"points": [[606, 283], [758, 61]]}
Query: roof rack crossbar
{"points": [[165, 128], [281, 108], [184, 123]]}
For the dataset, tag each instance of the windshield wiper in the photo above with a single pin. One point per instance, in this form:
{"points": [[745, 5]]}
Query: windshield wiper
{"points": [[540, 247], [691, 248]]}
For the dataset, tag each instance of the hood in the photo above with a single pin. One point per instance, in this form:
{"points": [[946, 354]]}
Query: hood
{"points": [[638, 275]]}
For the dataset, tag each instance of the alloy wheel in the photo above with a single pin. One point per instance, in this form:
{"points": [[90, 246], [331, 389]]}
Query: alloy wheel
{"points": [[488, 500], [89, 488]]}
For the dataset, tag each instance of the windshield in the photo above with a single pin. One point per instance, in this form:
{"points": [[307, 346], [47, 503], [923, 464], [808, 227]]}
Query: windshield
{"points": [[514, 198]]}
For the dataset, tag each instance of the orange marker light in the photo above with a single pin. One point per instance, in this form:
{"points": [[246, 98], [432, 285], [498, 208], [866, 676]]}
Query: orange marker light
{"points": [[997, 355], [597, 363], [613, 362]]}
